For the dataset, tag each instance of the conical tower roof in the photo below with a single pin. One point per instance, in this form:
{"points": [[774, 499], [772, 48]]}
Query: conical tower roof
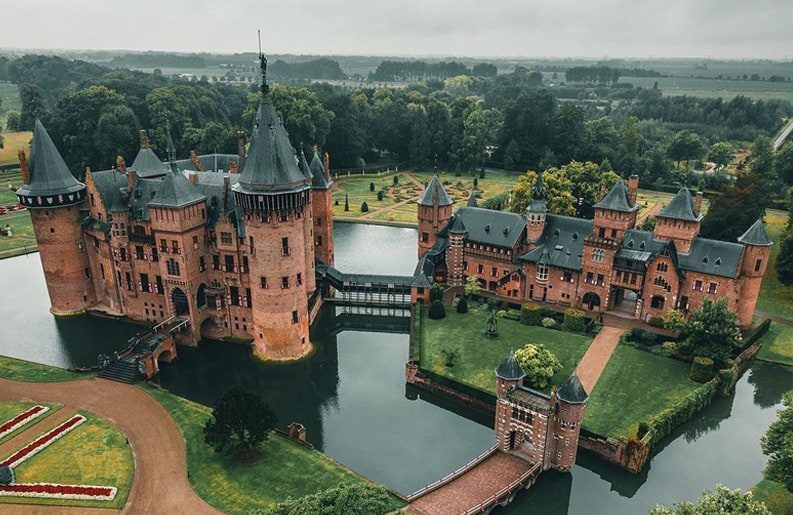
{"points": [[537, 203], [458, 226], [270, 166], [681, 207], [304, 166], [617, 199], [756, 235], [176, 191], [321, 182], [509, 369], [434, 194], [573, 391], [49, 174]]}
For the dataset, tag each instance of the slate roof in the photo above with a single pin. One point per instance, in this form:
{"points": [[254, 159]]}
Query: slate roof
{"points": [[641, 241], [458, 226], [49, 174], [573, 391], [320, 181], [270, 166], [211, 163], [142, 193], [681, 207], [175, 191], [434, 194], [509, 369], [714, 257], [111, 185], [562, 242], [498, 228], [424, 270], [147, 164], [212, 186], [756, 235], [617, 199]]}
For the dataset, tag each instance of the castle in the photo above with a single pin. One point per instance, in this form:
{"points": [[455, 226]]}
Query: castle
{"points": [[600, 265], [228, 242]]}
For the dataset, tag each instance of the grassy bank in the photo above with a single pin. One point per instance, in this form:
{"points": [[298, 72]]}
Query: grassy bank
{"points": [[775, 297], [776, 497], [777, 345], [20, 370]]}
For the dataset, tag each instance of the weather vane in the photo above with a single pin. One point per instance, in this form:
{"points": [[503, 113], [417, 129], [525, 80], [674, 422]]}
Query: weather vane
{"points": [[263, 64]]}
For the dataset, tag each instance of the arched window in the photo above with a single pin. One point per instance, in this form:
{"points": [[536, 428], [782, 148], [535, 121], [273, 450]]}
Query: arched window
{"points": [[598, 255], [542, 272]]}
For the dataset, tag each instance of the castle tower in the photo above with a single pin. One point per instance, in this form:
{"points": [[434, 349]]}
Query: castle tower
{"points": [[509, 374], [569, 408], [310, 278], [54, 198], [536, 210], [616, 212], [274, 196], [323, 208], [679, 220], [757, 247], [435, 211], [454, 253]]}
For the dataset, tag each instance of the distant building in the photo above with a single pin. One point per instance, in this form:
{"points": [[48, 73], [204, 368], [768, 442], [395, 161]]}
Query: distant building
{"points": [[600, 265], [228, 242]]}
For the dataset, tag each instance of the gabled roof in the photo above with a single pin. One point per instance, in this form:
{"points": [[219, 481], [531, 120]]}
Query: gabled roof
{"points": [[270, 166], [712, 257], [434, 194], [111, 185], [562, 242], [498, 228], [681, 207], [756, 235], [147, 164], [49, 174], [509, 369], [573, 391], [139, 197], [175, 191], [617, 199], [424, 270], [321, 182]]}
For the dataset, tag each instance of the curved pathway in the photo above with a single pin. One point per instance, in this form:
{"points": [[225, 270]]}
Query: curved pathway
{"points": [[160, 484]]}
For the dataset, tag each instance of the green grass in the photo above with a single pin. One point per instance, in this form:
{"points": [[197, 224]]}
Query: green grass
{"points": [[285, 469], [777, 345], [22, 237], [8, 197], [634, 386], [19, 370], [775, 298], [12, 143], [94, 453], [713, 87], [11, 409], [776, 497], [480, 355]]}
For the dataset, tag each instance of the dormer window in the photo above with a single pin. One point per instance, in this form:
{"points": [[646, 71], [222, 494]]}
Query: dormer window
{"points": [[542, 272]]}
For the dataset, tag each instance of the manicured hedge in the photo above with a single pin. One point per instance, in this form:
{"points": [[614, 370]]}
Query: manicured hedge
{"points": [[530, 314], [701, 369], [574, 320]]}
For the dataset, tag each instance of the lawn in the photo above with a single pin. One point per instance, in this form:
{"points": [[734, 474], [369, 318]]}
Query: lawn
{"points": [[635, 386], [9, 94], [285, 469], [19, 370], [775, 298], [22, 237], [9, 410], [776, 497], [12, 143], [777, 345], [480, 355], [7, 196], [94, 453]]}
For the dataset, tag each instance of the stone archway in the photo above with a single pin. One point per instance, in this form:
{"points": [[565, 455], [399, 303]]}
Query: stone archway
{"points": [[591, 300], [181, 305], [201, 298]]}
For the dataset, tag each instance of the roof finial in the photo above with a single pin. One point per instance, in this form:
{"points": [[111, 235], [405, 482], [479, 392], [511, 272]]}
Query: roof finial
{"points": [[170, 146], [263, 65]]}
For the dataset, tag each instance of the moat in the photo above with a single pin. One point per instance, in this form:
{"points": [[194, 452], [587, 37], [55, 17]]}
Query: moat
{"points": [[351, 396]]}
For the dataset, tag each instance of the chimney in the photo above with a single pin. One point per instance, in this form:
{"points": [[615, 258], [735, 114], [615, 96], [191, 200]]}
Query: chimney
{"points": [[193, 178], [698, 203], [241, 144], [121, 164], [195, 161], [233, 167], [633, 186], [132, 178], [326, 163], [23, 164], [144, 139], [226, 181]]}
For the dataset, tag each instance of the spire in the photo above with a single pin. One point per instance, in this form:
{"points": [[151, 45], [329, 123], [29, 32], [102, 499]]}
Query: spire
{"points": [[756, 235], [573, 391], [318, 172], [434, 194], [681, 207], [617, 199], [509, 369], [263, 65], [304, 166], [537, 203]]}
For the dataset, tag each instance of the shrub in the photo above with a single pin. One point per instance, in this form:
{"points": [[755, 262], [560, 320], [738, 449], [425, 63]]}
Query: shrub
{"points": [[530, 314], [548, 322], [513, 314], [450, 355], [501, 313], [656, 322], [436, 292], [574, 320], [644, 428], [364, 207], [669, 349], [350, 499], [539, 364], [701, 369], [437, 310], [546, 312], [396, 180], [642, 337], [380, 195], [371, 186], [462, 305], [6, 475]]}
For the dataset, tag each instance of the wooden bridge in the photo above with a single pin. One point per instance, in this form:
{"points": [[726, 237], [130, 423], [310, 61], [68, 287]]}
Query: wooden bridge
{"points": [[491, 479], [383, 291]]}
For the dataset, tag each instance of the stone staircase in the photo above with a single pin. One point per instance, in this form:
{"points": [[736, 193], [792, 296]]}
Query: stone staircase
{"points": [[122, 371]]}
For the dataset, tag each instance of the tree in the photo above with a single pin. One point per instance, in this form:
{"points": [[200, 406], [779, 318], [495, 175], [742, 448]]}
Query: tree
{"points": [[471, 285], [241, 422], [437, 310], [712, 331], [436, 292], [762, 157], [305, 118], [721, 154], [784, 260], [777, 444], [538, 363], [737, 208], [721, 502], [33, 106], [462, 305], [351, 499], [685, 145], [783, 161], [631, 143], [647, 223], [13, 121]]}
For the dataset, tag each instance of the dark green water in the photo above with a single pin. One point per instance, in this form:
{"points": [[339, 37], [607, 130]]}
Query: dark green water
{"points": [[351, 397]]}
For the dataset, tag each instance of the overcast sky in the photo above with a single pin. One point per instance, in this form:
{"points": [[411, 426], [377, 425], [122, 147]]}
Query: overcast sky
{"points": [[525, 28]]}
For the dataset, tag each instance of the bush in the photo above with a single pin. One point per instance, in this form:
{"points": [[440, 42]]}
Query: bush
{"points": [[548, 322], [644, 428], [701, 369], [462, 305], [437, 310], [371, 186], [642, 337], [538, 363], [450, 355], [574, 320], [380, 195], [669, 349], [6, 475], [530, 314], [350, 499], [666, 421], [436, 292], [513, 314], [396, 180], [656, 322], [364, 207], [501, 313]]}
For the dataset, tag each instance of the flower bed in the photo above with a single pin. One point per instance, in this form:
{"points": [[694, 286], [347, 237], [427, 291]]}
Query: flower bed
{"points": [[42, 442], [56, 491], [20, 420]]}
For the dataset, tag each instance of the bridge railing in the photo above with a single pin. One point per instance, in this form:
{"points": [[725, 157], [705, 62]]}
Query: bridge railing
{"points": [[493, 499], [452, 476]]}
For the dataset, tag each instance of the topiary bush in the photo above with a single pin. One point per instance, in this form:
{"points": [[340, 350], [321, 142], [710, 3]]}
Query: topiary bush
{"points": [[530, 314], [462, 305], [364, 207], [380, 195], [437, 310], [436, 292], [701, 369], [371, 186], [574, 320], [6, 475], [548, 322]]}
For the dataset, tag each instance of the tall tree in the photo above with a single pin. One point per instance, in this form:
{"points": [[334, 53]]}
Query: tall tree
{"points": [[631, 143], [783, 163], [721, 154], [685, 145], [777, 444], [737, 208], [241, 422], [33, 106], [722, 502], [712, 331], [762, 158]]}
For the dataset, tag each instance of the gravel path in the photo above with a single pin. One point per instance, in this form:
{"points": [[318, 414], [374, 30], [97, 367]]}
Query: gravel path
{"points": [[597, 356]]}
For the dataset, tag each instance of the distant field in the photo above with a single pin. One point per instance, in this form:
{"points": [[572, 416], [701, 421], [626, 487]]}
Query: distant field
{"points": [[11, 101], [713, 87], [12, 143]]}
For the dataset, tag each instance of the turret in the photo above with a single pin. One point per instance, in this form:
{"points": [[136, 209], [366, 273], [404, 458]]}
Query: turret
{"points": [[757, 248], [616, 212], [509, 375], [323, 208], [536, 210], [454, 253], [569, 408], [53, 196], [435, 211], [679, 220]]}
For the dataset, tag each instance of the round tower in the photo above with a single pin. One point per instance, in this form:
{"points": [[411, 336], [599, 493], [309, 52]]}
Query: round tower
{"points": [[569, 408], [757, 248], [454, 253], [536, 210], [435, 211], [509, 374], [53, 196], [274, 196], [323, 208]]}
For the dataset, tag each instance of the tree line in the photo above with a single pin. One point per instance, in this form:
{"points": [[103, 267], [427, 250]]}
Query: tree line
{"points": [[416, 71]]}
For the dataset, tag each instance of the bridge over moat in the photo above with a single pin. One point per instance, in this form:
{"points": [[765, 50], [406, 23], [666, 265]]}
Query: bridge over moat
{"points": [[384, 291]]}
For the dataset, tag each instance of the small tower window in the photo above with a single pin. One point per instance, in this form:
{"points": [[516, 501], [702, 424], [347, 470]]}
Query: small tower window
{"points": [[757, 265], [294, 317]]}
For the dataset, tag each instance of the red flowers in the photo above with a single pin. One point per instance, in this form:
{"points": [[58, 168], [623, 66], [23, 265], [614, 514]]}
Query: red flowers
{"points": [[43, 441], [21, 420], [56, 491]]}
